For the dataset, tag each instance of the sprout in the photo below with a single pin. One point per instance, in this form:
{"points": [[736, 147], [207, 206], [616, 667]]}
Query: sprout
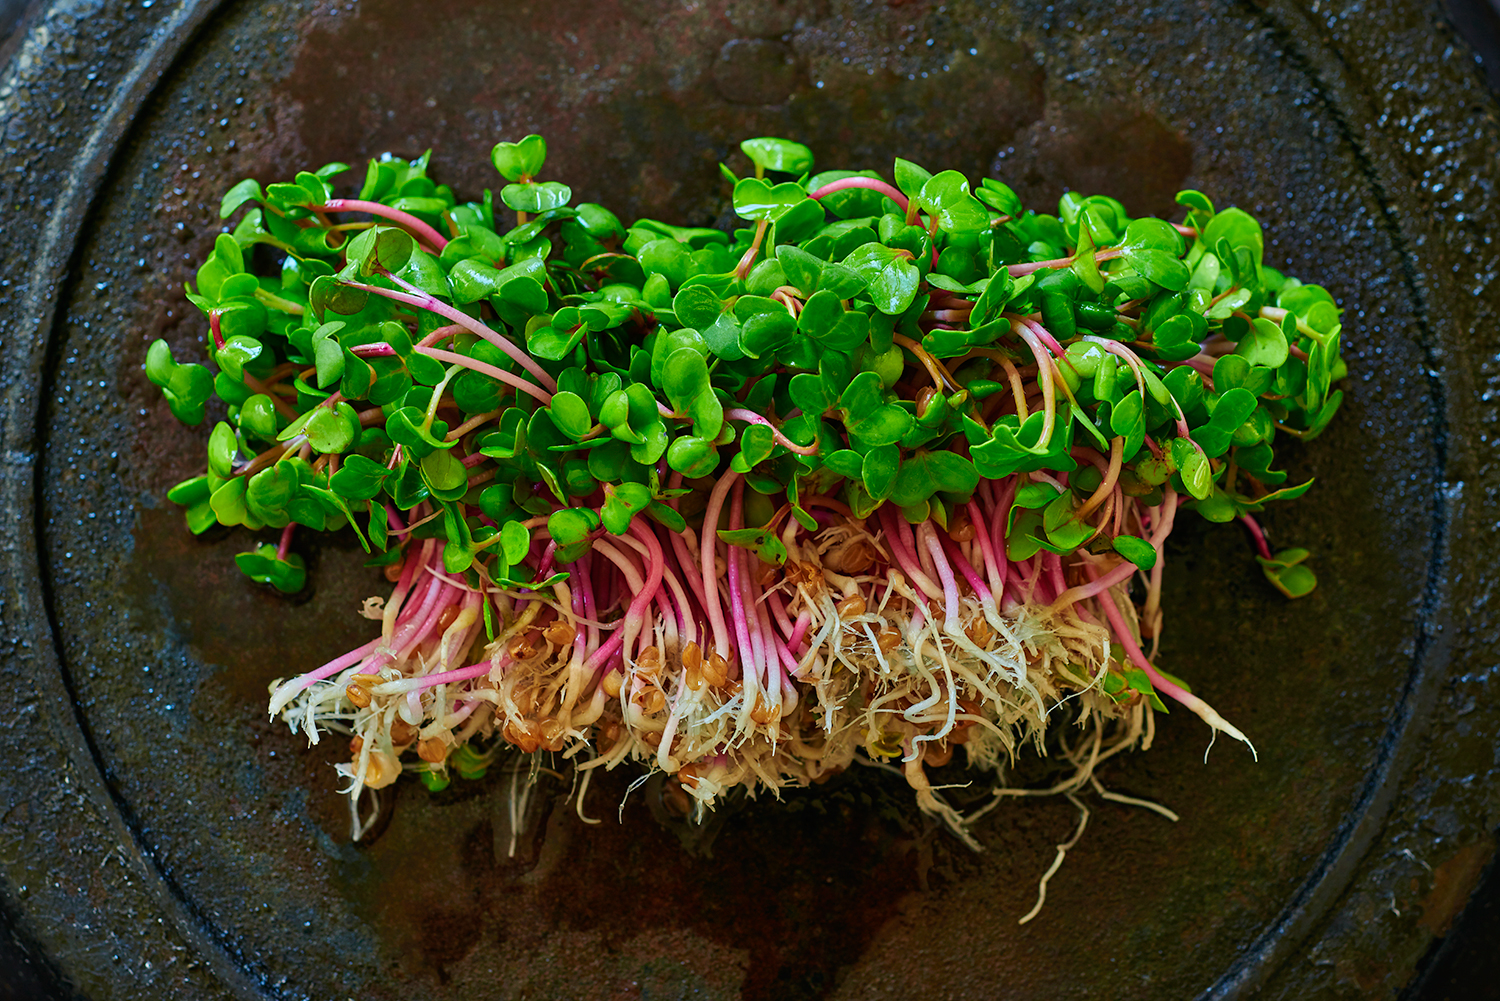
{"points": [[885, 475]]}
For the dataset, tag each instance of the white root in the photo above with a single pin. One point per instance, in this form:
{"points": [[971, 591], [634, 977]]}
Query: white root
{"points": [[884, 676], [1062, 853]]}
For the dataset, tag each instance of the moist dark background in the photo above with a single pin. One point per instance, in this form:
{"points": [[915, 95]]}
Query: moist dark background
{"points": [[1463, 966]]}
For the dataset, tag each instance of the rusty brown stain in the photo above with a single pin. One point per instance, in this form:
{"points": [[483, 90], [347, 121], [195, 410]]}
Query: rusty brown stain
{"points": [[1452, 884], [1366, 977]]}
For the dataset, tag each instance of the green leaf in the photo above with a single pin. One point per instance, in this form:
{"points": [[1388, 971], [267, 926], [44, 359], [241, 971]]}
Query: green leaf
{"points": [[236, 353], [756, 445], [1264, 344], [1152, 234], [269, 491], [781, 155], [1128, 419], [329, 359], [519, 159], [879, 469], [246, 191], [536, 197], [910, 178], [1239, 229], [1234, 408], [1285, 493], [764, 333], [667, 257], [191, 491], [685, 381], [571, 525], [380, 248], [445, 476], [1160, 267], [757, 199], [925, 473], [811, 394], [697, 306], [571, 415], [261, 565], [1195, 200], [1218, 507], [945, 196], [1136, 550], [1196, 475], [1085, 264], [890, 275], [405, 426], [159, 363], [1234, 372], [1288, 574], [332, 430], [762, 542], [515, 540], [359, 478], [991, 302], [1000, 197], [222, 449], [228, 503]]}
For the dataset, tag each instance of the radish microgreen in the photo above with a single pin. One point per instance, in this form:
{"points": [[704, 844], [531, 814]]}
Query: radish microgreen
{"points": [[872, 474]]}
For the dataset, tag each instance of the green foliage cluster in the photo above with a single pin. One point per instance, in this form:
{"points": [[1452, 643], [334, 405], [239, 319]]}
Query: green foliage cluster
{"points": [[874, 333]]}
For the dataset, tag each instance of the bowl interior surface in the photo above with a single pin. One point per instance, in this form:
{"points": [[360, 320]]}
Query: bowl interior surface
{"points": [[842, 891]]}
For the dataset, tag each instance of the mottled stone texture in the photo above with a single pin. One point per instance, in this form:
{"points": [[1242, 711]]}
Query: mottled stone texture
{"points": [[159, 838]]}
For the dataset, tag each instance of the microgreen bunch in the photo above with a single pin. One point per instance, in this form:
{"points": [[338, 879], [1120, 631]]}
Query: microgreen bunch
{"points": [[871, 475]]}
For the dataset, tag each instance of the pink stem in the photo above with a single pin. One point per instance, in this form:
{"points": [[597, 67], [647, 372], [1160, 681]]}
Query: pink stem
{"points": [[863, 182], [749, 646], [776, 652], [428, 235], [418, 633], [484, 368], [1204, 366], [1044, 375], [1016, 270], [955, 558], [393, 518], [993, 565], [903, 554], [1053, 563], [799, 629], [679, 544], [448, 677], [286, 540], [336, 665], [741, 414], [1042, 335], [944, 571], [499, 340], [1096, 586], [655, 570], [778, 612], [1133, 649], [416, 297], [583, 568], [1259, 536], [707, 546], [441, 333], [395, 611]]}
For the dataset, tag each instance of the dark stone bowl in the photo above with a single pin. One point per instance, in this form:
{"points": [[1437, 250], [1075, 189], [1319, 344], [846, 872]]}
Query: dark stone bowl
{"points": [[158, 837]]}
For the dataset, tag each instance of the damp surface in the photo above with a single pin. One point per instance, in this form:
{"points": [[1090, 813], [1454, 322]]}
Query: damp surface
{"points": [[845, 890]]}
